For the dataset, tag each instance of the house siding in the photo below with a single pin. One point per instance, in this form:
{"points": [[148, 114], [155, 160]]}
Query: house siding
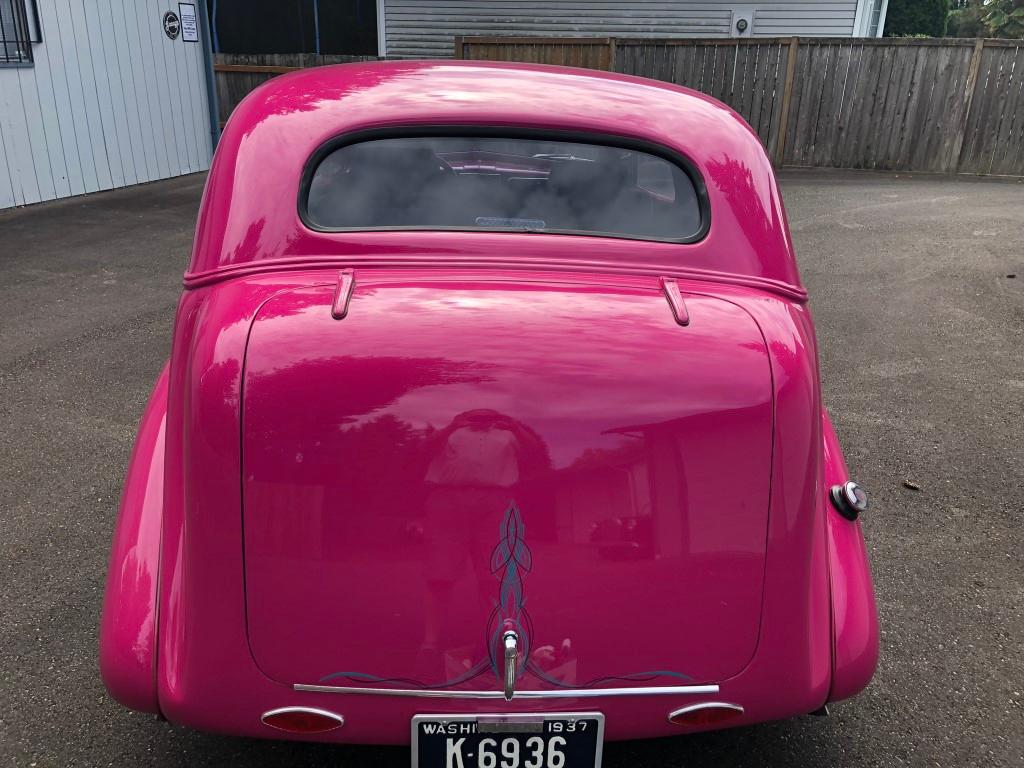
{"points": [[805, 19], [426, 29], [109, 101]]}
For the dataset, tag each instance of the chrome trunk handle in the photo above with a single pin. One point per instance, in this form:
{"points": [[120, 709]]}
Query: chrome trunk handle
{"points": [[511, 642]]}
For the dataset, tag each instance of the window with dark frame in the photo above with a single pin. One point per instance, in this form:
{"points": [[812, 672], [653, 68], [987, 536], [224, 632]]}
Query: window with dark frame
{"points": [[345, 27], [534, 184], [15, 33]]}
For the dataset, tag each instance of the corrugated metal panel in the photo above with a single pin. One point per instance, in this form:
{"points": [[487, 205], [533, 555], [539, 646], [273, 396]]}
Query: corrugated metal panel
{"points": [[109, 101], [422, 28]]}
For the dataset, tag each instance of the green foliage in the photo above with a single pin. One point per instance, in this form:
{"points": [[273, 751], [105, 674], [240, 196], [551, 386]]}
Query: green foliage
{"points": [[1004, 18], [967, 19], [907, 18]]}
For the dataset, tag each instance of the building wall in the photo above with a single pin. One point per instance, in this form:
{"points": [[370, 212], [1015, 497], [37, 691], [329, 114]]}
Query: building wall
{"points": [[424, 28], [109, 101]]}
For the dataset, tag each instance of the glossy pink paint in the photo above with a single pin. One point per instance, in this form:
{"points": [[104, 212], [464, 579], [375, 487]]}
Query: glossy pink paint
{"points": [[389, 448], [247, 222], [854, 616], [669, 481], [128, 626]]}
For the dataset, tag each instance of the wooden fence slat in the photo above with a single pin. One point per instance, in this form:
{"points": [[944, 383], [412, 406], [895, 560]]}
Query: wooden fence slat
{"points": [[829, 116], [787, 97], [766, 86], [998, 111], [809, 77], [969, 92], [915, 85], [955, 108], [891, 79], [921, 137], [980, 121], [925, 133], [1007, 106], [848, 116], [1012, 161], [754, 88], [864, 97], [777, 64]]}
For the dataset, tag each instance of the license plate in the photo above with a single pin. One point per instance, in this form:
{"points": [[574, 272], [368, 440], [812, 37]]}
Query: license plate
{"points": [[508, 741]]}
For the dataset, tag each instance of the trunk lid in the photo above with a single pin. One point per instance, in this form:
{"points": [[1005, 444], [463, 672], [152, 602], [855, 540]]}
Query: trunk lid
{"points": [[460, 455]]}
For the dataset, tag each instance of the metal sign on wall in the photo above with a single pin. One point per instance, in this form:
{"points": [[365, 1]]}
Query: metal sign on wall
{"points": [[171, 24], [189, 22]]}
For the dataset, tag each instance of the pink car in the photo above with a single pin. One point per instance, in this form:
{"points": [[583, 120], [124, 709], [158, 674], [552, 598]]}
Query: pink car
{"points": [[492, 426]]}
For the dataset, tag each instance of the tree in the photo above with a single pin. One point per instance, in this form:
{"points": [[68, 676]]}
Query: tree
{"points": [[908, 18], [966, 19], [1005, 18]]}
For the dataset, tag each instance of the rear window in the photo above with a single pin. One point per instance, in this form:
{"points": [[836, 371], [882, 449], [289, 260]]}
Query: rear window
{"points": [[503, 184]]}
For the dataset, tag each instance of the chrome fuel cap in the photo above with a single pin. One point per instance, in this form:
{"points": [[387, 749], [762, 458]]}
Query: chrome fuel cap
{"points": [[850, 499]]}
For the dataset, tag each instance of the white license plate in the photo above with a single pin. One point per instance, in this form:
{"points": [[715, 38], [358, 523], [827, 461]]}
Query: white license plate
{"points": [[569, 740]]}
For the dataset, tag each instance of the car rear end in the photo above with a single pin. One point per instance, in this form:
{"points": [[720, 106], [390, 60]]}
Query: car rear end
{"points": [[497, 440]]}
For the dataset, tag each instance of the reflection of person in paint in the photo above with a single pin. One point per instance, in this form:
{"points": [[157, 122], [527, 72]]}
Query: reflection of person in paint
{"points": [[475, 466]]}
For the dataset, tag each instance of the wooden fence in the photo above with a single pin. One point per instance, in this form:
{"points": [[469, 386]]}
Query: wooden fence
{"points": [[941, 105], [944, 105], [589, 52], [237, 74]]}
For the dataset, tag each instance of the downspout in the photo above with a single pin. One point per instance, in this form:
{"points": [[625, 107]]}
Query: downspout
{"points": [[382, 37], [316, 24], [213, 27], [211, 84]]}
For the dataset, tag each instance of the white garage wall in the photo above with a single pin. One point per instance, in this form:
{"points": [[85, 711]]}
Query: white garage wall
{"points": [[109, 101]]}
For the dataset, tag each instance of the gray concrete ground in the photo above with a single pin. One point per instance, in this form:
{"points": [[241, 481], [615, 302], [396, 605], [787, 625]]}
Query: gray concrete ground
{"points": [[922, 336]]}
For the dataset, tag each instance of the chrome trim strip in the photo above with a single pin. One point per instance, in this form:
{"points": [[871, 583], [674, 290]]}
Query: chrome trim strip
{"points": [[579, 693], [703, 705]]}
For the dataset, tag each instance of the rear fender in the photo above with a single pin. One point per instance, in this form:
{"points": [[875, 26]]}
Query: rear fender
{"points": [[854, 617], [128, 624]]}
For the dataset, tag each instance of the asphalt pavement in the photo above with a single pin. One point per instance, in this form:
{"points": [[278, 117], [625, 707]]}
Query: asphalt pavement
{"points": [[917, 288]]}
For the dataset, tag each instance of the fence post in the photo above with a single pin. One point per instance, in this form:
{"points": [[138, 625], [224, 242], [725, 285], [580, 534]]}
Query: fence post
{"points": [[969, 89], [787, 97], [459, 47], [611, 54]]}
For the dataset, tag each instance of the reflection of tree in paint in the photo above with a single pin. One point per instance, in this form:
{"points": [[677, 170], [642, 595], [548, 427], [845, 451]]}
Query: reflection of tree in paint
{"points": [[736, 181], [510, 561]]}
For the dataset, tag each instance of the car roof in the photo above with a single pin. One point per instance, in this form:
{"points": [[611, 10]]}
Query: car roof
{"points": [[249, 215]]}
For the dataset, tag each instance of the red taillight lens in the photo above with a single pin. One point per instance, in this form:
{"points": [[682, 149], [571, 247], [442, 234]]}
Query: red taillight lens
{"points": [[705, 715], [303, 720]]}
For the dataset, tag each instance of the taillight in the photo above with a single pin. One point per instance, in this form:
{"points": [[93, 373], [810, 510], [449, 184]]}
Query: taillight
{"points": [[302, 720], [704, 715]]}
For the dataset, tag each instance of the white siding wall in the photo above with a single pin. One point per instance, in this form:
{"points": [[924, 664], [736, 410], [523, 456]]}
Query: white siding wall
{"points": [[823, 18], [424, 28], [110, 101]]}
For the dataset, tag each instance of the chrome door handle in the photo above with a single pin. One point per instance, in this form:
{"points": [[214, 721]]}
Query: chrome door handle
{"points": [[511, 642]]}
